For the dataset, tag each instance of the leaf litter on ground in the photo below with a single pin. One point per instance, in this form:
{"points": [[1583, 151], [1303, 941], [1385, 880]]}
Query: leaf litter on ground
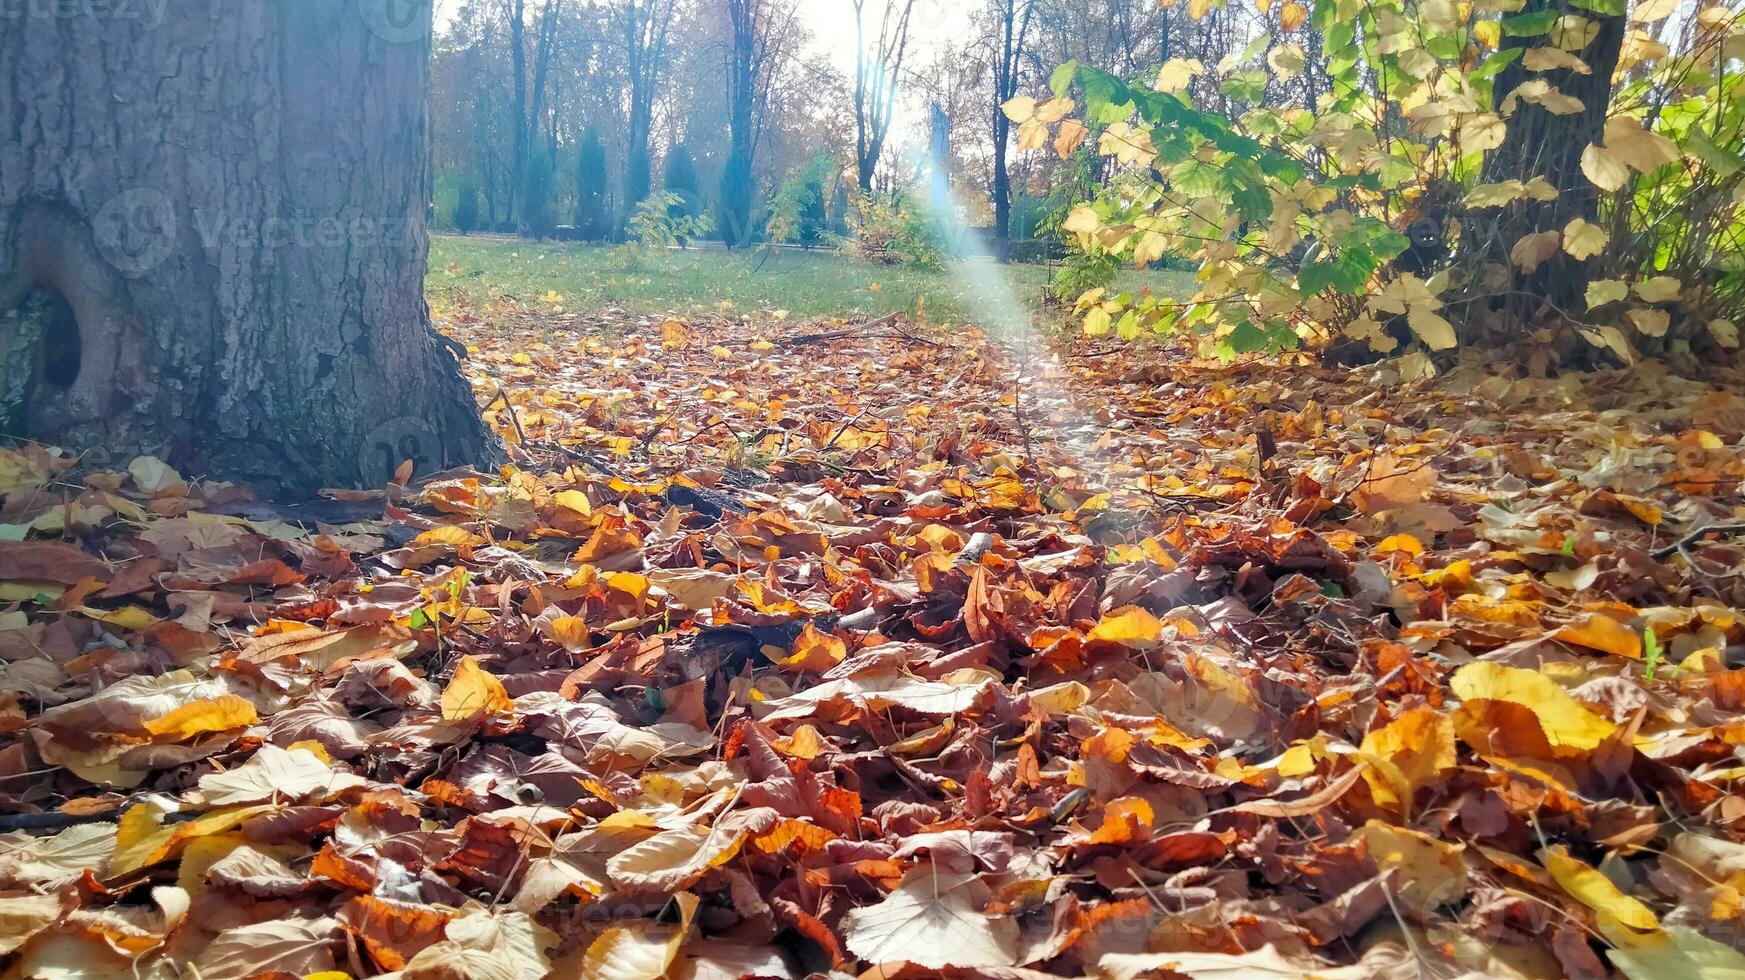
{"points": [[787, 649]]}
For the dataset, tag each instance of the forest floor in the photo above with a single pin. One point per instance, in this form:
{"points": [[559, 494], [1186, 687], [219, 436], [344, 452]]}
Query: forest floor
{"points": [[788, 646]]}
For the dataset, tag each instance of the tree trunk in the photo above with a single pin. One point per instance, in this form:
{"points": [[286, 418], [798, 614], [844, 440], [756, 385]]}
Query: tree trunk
{"points": [[230, 205], [1002, 190], [1540, 143], [1014, 25], [518, 58], [736, 179]]}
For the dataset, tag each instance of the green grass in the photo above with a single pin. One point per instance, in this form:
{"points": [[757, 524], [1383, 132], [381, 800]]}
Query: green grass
{"points": [[807, 285]]}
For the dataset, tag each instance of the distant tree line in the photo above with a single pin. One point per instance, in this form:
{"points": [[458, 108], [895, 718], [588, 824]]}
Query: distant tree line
{"points": [[563, 116]]}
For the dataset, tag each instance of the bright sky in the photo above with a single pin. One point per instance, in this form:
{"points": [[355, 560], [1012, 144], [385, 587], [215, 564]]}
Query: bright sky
{"points": [[832, 24], [931, 25]]}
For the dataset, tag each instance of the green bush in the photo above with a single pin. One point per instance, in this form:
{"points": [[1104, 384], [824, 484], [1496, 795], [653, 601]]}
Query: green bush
{"points": [[894, 231], [1081, 273], [591, 222], [797, 214], [466, 208], [652, 223]]}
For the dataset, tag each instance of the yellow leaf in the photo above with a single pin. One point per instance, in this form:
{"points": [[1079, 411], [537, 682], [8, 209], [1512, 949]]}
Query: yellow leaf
{"points": [[1601, 166], [127, 617], [1638, 148], [1286, 59], [1564, 720], [1659, 289], [1019, 108], [1677, 953], [1612, 339], [1177, 73], [1603, 291], [1603, 633], [1532, 250], [1484, 131], [473, 691], [1129, 626], [1649, 11], [1651, 323], [1595, 890], [448, 534], [1435, 331], [143, 839], [1082, 220], [573, 500], [673, 860], [1584, 240], [1407, 754], [1292, 16], [1401, 542], [570, 632], [205, 715], [637, 951], [1431, 872]]}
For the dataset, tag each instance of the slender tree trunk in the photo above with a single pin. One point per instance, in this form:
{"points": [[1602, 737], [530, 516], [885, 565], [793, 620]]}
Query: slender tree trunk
{"points": [[1014, 25], [518, 58], [1540, 143], [223, 216], [1002, 189], [736, 181]]}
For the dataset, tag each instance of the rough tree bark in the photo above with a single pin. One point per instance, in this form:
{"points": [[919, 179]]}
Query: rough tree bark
{"points": [[216, 223], [1540, 143]]}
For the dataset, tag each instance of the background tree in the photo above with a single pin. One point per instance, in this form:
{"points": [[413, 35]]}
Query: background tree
{"points": [[1012, 28], [466, 208], [536, 172], [680, 178], [238, 269], [591, 215], [518, 59], [538, 214], [747, 53], [1544, 143], [876, 72], [646, 26]]}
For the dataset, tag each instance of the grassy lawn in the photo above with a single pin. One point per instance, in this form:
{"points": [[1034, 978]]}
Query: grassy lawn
{"points": [[807, 285]]}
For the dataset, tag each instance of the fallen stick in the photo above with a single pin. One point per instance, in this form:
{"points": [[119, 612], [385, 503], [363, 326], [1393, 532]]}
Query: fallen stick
{"points": [[1661, 554]]}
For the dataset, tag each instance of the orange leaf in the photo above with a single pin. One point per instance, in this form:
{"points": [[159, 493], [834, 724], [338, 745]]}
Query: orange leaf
{"points": [[1603, 633], [1125, 821], [814, 652]]}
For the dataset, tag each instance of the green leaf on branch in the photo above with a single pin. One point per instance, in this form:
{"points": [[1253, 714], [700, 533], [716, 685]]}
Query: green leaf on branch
{"points": [[1531, 25]]}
